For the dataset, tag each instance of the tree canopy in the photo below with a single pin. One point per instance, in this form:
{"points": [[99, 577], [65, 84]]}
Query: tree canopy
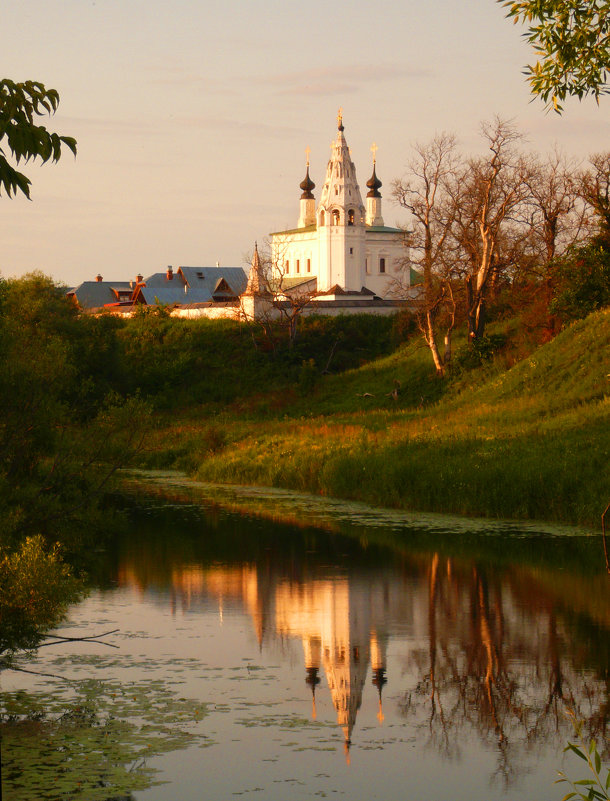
{"points": [[571, 39], [20, 104]]}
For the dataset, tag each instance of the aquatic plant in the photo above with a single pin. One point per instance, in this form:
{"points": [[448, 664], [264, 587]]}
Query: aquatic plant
{"points": [[96, 746]]}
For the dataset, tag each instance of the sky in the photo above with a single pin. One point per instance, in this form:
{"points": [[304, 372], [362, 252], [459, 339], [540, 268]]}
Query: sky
{"points": [[192, 117]]}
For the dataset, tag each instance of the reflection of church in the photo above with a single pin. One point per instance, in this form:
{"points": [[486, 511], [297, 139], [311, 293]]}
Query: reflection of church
{"points": [[335, 626], [341, 622]]}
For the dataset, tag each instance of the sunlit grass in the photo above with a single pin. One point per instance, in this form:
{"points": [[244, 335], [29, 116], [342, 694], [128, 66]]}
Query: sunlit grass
{"points": [[532, 441]]}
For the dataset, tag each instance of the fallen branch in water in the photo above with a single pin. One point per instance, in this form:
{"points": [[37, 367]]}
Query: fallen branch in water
{"points": [[58, 639]]}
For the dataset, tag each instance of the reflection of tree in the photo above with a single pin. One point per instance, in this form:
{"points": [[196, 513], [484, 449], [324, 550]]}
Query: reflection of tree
{"points": [[497, 665]]}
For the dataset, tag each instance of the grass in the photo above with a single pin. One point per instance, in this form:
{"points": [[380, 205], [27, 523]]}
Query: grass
{"points": [[530, 441]]}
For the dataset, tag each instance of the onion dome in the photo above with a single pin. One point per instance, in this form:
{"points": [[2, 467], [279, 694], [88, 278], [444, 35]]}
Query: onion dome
{"points": [[373, 184], [307, 185]]}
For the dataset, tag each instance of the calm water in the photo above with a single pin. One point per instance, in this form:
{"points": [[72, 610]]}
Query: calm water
{"points": [[328, 650]]}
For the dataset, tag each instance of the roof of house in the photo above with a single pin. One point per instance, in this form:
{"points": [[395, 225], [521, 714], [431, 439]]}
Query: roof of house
{"points": [[93, 294], [235, 277], [207, 280]]}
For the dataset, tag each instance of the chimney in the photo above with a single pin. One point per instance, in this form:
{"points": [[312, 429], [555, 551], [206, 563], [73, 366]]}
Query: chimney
{"points": [[98, 278], [139, 279], [170, 273]]}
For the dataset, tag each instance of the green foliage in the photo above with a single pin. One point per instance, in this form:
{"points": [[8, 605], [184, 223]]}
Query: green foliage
{"points": [[582, 282], [595, 788], [571, 39], [36, 587], [20, 104], [64, 429]]}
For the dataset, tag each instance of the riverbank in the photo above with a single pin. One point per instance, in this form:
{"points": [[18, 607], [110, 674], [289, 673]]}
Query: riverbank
{"points": [[529, 440]]}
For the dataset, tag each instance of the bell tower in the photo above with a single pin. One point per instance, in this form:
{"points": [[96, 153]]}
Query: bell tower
{"points": [[341, 220]]}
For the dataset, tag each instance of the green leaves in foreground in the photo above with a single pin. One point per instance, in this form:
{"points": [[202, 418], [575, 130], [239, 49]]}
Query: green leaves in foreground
{"points": [[20, 104], [96, 746], [595, 788], [36, 588], [571, 40]]}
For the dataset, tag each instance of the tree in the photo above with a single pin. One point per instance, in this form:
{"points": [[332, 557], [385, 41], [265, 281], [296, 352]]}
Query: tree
{"points": [[36, 588], [20, 104], [272, 299], [487, 194], [424, 193], [571, 39]]}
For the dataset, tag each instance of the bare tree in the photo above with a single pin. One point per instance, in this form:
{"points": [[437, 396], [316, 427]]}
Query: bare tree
{"points": [[596, 191], [558, 216], [424, 192], [280, 299], [555, 218], [488, 193]]}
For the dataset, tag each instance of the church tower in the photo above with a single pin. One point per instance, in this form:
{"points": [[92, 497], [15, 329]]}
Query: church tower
{"points": [[373, 196], [341, 220], [308, 202], [341, 242]]}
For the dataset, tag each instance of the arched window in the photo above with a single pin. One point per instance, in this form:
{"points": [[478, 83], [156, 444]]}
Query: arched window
{"points": [[350, 217], [336, 217], [321, 219]]}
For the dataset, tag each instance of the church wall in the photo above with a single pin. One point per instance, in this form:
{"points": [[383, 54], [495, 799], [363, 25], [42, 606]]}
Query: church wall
{"points": [[292, 248], [389, 247]]}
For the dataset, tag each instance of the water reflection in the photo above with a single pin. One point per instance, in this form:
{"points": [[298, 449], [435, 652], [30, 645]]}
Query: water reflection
{"points": [[495, 649]]}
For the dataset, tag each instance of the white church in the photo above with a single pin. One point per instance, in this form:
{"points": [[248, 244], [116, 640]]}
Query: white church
{"points": [[341, 245]]}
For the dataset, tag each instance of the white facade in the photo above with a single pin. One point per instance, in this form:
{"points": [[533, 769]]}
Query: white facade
{"points": [[342, 242]]}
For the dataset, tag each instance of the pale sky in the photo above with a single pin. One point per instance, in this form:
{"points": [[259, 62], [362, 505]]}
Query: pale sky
{"points": [[192, 117]]}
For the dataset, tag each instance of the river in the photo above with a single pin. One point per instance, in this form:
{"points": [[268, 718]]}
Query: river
{"points": [[273, 645]]}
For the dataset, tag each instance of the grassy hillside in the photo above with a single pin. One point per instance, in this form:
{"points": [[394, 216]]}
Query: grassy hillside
{"points": [[529, 441]]}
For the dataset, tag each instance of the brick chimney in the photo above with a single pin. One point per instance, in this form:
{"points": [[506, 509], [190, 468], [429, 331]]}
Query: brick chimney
{"points": [[170, 273], [98, 278]]}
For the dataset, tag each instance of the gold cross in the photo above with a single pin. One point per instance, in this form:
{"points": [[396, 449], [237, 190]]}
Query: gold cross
{"points": [[307, 152], [340, 117], [374, 150]]}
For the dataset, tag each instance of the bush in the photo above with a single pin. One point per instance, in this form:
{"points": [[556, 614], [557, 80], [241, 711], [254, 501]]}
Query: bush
{"points": [[478, 352]]}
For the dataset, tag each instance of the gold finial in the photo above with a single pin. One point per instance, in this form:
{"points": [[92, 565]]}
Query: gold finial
{"points": [[307, 152], [374, 150], [340, 117]]}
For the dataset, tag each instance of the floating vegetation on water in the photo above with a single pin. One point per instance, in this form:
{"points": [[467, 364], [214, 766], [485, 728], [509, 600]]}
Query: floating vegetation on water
{"points": [[97, 746]]}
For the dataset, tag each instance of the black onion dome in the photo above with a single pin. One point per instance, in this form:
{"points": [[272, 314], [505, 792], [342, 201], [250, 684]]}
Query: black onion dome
{"points": [[307, 185], [373, 184]]}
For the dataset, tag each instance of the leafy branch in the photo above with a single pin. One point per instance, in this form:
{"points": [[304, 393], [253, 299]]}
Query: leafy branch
{"points": [[20, 104], [593, 789]]}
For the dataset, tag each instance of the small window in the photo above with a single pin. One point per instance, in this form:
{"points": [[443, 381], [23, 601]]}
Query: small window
{"points": [[287, 266], [298, 267], [308, 265], [336, 217], [321, 219], [382, 265], [350, 217], [367, 266], [351, 251], [336, 190]]}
